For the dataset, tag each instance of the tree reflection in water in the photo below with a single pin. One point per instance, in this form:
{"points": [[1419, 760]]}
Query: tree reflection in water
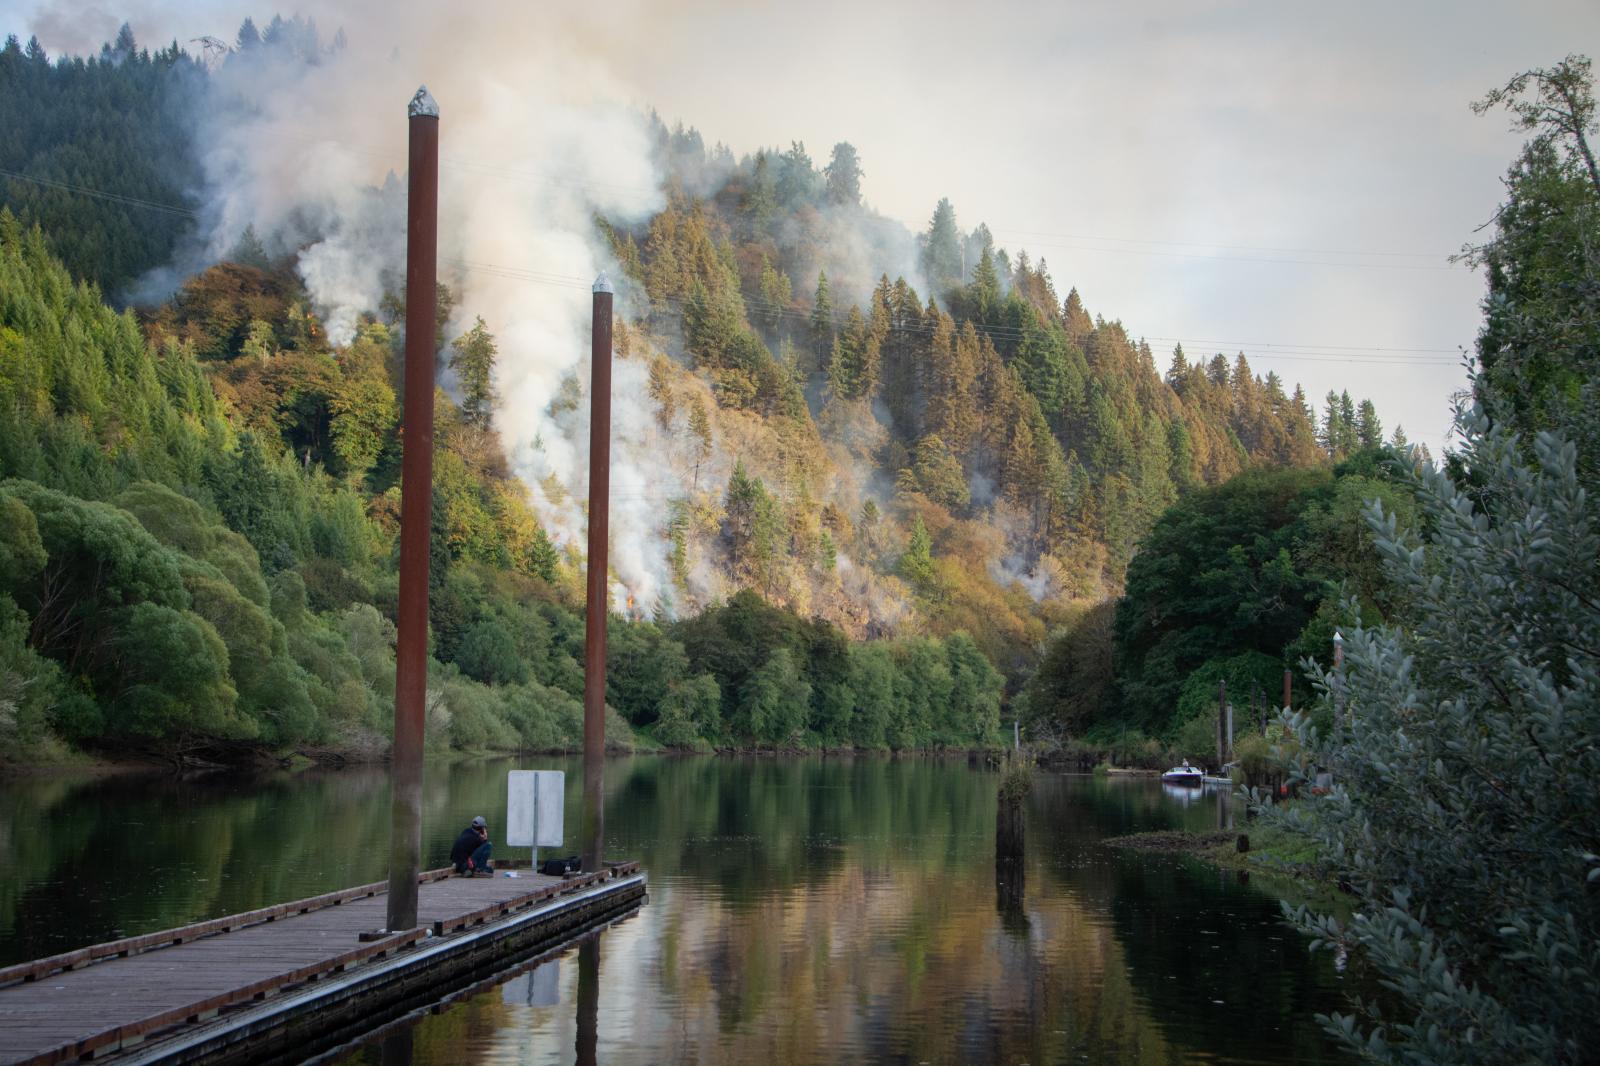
{"points": [[800, 910]]}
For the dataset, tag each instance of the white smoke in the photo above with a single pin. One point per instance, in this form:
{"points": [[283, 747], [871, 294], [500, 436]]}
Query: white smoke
{"points": [[535, 141]]}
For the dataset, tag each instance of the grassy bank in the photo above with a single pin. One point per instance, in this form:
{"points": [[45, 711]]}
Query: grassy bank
{"points": [[1284, 864]]}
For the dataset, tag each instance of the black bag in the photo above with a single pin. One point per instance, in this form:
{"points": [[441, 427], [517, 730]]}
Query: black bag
{"points": [[560, 867]]}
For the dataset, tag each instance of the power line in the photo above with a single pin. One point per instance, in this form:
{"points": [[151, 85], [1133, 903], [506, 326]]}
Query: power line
{"points": [[1336, 354]]}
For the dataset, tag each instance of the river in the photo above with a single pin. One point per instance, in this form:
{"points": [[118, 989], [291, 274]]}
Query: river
{"points": [[800, 910]]}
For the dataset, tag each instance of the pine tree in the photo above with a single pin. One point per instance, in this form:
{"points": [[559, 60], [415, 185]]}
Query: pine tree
{"points": [[1178, 372], [852, 359], [844, 176], [543, 559], [1332, 435], [661, 392], [797, 178], [760, 204], [827, 553], [472, 358], [1369, 431], [822, 320], [986, 287], [775, 295], [700, 429], [941, 249], [916, 564]]}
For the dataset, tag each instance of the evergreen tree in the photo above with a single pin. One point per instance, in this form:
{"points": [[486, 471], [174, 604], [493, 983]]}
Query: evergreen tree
{"points": [[986, 286], [760, 205], [775, 295], [844, 176], [798, 181], [1541, 331], [700, 429], [822, 319], [1369, 431], [941, 249], [1178, 372], [916, 564], [472, 358]]}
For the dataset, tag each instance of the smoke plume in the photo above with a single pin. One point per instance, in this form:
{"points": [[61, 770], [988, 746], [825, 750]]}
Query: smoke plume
{"points": [[306, 141]]}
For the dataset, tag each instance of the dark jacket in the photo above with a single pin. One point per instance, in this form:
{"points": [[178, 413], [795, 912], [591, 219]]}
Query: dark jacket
{"points": [[467, 843]]}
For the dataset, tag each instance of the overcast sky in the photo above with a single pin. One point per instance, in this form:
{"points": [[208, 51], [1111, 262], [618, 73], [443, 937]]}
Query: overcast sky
{"points": [[1255, 175]]}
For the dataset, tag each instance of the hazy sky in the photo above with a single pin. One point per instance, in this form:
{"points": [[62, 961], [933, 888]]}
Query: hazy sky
{"points": [[1228, 174]]}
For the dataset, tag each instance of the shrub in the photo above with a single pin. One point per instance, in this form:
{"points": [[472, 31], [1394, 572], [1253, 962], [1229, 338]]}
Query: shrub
{"points": [[1466, 771]]}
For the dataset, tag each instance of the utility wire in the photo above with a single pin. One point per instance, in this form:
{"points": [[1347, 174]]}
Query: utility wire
{"points": [[1336, 354]]}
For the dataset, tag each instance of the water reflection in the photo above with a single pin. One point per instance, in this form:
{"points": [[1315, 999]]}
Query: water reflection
{"points": [[1182, 795], [800, 910]]}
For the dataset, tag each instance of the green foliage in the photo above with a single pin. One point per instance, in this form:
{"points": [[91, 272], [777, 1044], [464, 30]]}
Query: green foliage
{"points": [[1196, 739], [773, 701], [1217, 572], [916, 563], [1465, 768], [1541, 327], [472, 358], [1072, 684], [1246, 673], [119, 123], [939, 475]]}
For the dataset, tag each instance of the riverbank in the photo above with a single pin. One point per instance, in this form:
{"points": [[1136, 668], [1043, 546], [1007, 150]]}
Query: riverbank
{"points": [[59, 758], [1283, 863]]}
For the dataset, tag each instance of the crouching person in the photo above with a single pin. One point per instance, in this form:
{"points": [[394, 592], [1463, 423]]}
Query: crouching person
{"points": [[470, 854]]}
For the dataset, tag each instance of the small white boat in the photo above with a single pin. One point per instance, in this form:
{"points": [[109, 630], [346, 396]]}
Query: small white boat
{"points": [[1184, 775]]}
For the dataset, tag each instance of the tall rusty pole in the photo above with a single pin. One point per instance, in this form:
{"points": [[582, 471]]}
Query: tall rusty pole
{"points": [[1338, 679], [594, 632], [416, 511]]}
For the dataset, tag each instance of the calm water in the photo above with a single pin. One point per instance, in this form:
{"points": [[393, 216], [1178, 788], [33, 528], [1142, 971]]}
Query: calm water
{"points": [[800, 910]]}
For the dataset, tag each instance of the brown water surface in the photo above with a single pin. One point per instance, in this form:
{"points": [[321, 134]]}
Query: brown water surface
{"points": [[801, 910]]}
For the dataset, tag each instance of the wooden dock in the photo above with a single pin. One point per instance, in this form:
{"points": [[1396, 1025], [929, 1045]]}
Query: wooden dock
{"points": [[293, 980]]}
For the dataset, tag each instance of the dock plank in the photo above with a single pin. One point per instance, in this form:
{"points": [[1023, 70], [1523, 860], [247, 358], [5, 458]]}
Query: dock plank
{"points": [[51, 1014]]}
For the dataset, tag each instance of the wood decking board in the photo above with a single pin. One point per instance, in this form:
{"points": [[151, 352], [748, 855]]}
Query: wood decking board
{"points": [[52, 1014]]}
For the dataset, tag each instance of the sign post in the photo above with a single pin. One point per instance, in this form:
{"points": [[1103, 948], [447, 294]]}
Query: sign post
{"points": [[535, 809]]}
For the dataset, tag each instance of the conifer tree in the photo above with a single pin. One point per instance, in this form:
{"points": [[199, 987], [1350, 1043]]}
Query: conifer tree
{"points": [[472, 358], [1369, 431], [660, 388], [700, 429], [775, 294], [941, 249], [822, 319], [1178, 372], [916, 564], [797, 178], [844, 176], [760, 204]]}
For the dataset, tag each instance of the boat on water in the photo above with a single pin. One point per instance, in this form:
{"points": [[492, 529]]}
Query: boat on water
{"points": [[1184, 775]]}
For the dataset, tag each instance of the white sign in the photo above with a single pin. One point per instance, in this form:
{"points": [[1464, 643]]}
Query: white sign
{"points": [[535, 808]]}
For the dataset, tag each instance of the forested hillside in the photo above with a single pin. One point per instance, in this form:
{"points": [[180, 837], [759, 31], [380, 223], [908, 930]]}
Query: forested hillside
{"points": [[860, 434]]}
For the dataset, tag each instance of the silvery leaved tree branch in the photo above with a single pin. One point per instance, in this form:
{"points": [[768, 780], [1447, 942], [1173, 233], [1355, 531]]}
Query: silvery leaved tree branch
{"points": [[1465, 810]]}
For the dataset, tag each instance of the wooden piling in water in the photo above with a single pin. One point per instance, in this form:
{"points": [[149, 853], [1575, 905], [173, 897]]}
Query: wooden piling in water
{"points": [[416, 512], [594, 648]]}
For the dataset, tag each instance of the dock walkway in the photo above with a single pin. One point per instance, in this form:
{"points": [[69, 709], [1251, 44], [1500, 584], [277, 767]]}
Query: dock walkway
{"points": [[182, 986]]}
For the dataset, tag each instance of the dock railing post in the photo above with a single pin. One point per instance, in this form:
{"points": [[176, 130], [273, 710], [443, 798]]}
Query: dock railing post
{"points": [[416, 512], [594, 647]]}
